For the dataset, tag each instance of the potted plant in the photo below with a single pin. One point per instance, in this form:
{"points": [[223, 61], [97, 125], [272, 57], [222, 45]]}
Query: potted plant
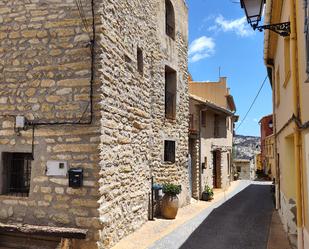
{"points": [[170, 202], [207, 194]]}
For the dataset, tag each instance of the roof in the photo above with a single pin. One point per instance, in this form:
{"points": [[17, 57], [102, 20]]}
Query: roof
{"points": [[211, 105], [270, 115], [231, 102]]}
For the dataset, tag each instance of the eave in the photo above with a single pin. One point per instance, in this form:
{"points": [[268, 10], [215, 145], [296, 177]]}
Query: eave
{"points": [[211, 105]]}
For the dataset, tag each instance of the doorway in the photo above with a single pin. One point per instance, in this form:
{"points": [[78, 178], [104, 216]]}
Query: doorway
{"points": [[193, 168], [216, 169]]}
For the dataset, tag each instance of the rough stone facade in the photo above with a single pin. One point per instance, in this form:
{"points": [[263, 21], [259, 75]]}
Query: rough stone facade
{"points": [[133, 117], [45, 68], [45, 76]]}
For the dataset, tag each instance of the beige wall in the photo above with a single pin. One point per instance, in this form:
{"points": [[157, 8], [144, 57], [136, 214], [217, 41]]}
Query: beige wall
{"points": [[214, 92], [209, 144]]}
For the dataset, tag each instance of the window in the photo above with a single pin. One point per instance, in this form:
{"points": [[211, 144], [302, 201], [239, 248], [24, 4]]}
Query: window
{"points": [[140, 61], [16, 173], [203, 117], [169, 19], [287, 63], [277, 93], [170, 93], [216, 126], [169, 151]]}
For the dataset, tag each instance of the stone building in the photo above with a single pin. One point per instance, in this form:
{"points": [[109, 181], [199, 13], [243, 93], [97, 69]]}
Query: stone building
{"points": [[96, 86], [244, 168], [211, 131]]}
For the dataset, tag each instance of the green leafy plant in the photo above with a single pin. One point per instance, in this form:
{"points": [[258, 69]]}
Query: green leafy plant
{"points": [[171, 189], [209, 191]]}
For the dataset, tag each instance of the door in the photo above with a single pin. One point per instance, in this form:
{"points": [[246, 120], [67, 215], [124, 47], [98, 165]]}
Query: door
{"points": [[217, 169]]}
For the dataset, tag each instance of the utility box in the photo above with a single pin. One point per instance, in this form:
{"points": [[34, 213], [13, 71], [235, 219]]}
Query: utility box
{"points": [[56, 168], [76, 176]]}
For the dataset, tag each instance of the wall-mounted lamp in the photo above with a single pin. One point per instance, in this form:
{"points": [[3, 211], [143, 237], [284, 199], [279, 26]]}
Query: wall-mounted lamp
{"points": [[254, 10]]}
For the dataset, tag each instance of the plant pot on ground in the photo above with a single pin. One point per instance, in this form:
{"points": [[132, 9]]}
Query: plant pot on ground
{"points": [[207, 194], [170, 202]]}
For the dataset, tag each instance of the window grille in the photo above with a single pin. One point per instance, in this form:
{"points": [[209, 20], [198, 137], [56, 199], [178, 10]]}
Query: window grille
{"points": [[17, 168], [169, 151]]}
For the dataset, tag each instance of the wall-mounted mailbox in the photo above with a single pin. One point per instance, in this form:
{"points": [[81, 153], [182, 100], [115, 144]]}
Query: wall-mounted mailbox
{"points": [[76, 177]]}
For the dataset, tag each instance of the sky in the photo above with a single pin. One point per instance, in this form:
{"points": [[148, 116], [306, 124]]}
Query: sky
{"points": [[219, 37]]}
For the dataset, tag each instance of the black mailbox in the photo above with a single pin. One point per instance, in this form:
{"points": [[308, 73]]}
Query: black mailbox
{"points": [[75, 178]]}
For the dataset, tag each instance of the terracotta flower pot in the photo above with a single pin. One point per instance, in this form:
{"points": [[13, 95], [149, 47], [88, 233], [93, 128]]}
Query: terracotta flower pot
{"points": [[170, 205]]}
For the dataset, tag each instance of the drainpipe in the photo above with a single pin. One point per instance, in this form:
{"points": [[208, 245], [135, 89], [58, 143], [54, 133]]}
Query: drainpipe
{"points": [[297, 134]]}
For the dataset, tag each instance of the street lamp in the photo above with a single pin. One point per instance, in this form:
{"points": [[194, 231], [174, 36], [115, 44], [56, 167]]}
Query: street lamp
{"points": [[254, 10]]}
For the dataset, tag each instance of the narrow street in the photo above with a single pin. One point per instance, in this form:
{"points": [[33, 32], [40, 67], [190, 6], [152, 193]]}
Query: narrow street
{"points": [[242, 222]]}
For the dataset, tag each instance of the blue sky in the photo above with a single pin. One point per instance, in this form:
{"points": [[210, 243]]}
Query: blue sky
{"points": [[219, 36]]}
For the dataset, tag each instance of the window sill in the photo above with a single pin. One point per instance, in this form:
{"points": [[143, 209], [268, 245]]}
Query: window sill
{"points": [[11, 197], [168, 163], [170, 120]]}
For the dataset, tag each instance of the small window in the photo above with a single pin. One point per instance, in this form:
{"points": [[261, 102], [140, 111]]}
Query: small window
{"points": [[169, 19], [203, 117], [216, 126], [170, 93], [169, 151], [16, 174], [140, 61]]}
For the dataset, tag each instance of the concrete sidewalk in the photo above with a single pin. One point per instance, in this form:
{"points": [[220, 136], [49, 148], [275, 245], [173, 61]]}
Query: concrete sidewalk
{"points": [[170, 234], [277, 236]]}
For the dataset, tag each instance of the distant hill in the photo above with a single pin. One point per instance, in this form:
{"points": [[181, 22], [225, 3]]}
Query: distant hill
{"points": [[245, 147]]}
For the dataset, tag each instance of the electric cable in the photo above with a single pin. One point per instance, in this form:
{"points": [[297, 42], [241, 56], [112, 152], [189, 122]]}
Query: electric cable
{"points": [[257, 95]]}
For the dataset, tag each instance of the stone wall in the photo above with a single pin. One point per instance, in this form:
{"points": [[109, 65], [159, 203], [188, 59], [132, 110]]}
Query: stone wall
{"points": [[45, 69], [45, 73], [133, 119]]}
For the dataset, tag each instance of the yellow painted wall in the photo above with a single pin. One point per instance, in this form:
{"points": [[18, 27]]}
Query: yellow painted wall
{"points": [[215, 92], [276, 51], [304, 99], [287, 166]]}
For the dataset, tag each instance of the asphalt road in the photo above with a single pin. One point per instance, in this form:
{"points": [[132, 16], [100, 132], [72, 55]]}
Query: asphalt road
{"points": [[242, 222]]}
